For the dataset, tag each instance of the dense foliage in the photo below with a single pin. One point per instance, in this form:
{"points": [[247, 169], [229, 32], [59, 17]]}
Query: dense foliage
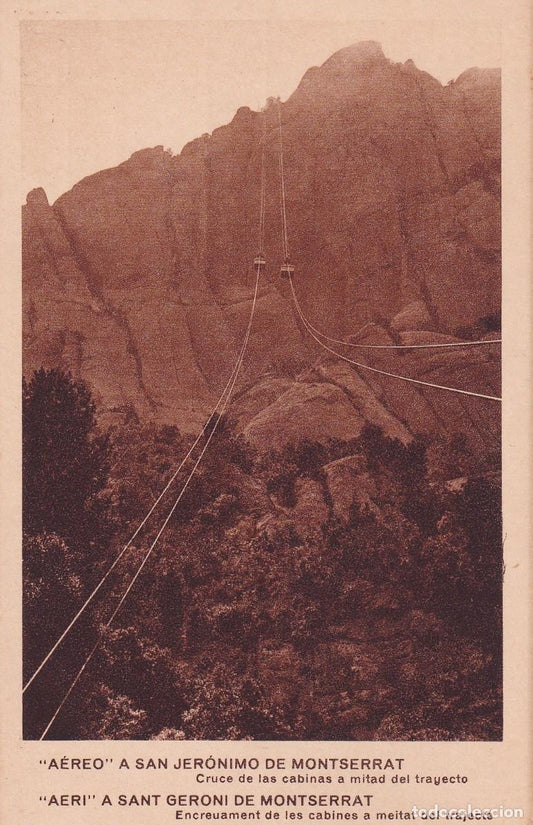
{"points": [[64, 458], [276, 604]]}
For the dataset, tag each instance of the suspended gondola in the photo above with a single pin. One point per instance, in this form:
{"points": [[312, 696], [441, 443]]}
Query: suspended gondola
{"points": [[259, 263], [287, 269]]}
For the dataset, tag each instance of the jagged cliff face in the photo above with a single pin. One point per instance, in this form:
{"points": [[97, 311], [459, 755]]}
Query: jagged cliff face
{"points": [[139, 279]]}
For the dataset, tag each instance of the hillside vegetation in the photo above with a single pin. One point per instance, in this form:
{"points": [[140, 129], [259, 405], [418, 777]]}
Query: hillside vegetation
{"points": [[347, 590]]}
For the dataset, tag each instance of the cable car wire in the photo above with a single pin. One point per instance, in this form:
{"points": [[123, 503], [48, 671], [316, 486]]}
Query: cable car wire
{"points": [[383, 372], [104, 578], [130, 540], [403, 346], [222, 403], [285, 235], [259, 260], [166, 521], [311, 330], [262, 199], [285, 244], [287, 269]]}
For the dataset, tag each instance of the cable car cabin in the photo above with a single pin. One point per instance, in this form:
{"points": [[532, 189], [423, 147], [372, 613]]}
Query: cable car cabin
{"points": [[287, 269], [259, 263]]}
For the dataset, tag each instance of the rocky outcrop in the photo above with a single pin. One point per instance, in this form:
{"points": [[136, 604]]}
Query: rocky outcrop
{"points": [[413, 317], [139, 279], [349, 483], [336, 400]]}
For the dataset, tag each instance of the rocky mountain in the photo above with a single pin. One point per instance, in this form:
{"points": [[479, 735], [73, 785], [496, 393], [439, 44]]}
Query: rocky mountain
{"points": [[139, 280]]}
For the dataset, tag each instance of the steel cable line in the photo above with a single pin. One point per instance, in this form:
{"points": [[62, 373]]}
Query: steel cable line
{"points": [[285, 236], [130, 540], [180, 467], [402, 346], [285, 244], [263, 189], [311, 329], [224, 400], [383, 372], [167, 519]]}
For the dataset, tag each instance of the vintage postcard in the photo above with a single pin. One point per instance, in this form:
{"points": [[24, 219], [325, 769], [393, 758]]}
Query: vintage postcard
{"points": [[265, 438]]}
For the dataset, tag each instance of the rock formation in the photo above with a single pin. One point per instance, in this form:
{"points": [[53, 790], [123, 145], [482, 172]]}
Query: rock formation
{"points": [[139, 279]]}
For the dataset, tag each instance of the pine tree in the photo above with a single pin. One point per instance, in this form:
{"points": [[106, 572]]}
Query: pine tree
{"points": [[65, 458]]}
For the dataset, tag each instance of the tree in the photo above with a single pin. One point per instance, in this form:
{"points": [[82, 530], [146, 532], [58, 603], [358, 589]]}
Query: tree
{"points": [[49, 581], [65, 458]]}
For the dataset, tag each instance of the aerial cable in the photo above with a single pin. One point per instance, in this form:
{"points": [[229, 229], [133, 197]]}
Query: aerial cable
{"points": [[259, 260], [263, 190], [176, 473], [135, 534], [284, 236], [147, 555], [383, 372], [224, 400], [314, 332], [128, 543], [285, 244], [402, 346]]}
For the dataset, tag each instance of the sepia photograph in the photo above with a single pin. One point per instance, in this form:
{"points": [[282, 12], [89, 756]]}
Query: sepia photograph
{"points": [[261, 398]]}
